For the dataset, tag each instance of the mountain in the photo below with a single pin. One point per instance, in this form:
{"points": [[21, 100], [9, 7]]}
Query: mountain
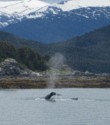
{"points": [[45, 22], [26, 52], [15, 11], [20, 42], [89, 52]]}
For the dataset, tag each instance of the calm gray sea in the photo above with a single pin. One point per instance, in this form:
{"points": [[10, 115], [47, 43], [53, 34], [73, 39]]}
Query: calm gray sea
{"points": [[24, 107]]}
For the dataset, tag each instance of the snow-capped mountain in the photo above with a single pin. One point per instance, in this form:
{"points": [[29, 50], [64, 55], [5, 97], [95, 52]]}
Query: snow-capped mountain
{"points": [[39, 20], [11, 11], [76, 4], [21, 7]]}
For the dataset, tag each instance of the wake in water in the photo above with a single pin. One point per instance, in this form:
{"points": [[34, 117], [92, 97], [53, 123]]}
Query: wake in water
{"points": [[53, 97], [57, 99]]}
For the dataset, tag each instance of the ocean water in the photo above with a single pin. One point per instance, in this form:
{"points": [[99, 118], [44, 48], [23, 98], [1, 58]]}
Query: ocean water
{"points": [[26, 107]]}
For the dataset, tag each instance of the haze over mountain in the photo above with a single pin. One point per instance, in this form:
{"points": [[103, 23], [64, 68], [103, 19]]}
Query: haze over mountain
{"points": [[50, 22]]}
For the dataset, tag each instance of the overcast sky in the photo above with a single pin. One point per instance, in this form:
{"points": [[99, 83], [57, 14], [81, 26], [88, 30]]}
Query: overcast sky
{"points": [[10, 0], [49, 1]]}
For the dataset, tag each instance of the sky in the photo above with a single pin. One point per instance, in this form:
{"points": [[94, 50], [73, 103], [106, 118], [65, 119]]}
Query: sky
{"points": [[49, 1], [54, 0]]}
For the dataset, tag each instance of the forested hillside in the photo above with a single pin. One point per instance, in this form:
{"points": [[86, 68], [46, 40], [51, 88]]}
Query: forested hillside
{"points": [[24, 55], [20, 42], [88, 52]]}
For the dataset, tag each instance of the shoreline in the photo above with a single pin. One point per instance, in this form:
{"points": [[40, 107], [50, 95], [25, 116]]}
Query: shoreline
{"points": [[42, 82]]}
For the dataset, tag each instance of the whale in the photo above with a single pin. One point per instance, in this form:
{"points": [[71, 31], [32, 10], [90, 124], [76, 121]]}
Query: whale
{"points": [[50, 95]]}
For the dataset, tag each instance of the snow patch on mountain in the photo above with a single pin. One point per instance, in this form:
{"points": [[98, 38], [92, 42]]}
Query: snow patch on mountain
{"points": [[14, 11], [76, 4], [15, 7], [28, 6]]}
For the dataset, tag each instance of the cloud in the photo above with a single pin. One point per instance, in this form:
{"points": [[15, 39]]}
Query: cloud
{"points": [[48, 1], [53, 1], [10, 0]]}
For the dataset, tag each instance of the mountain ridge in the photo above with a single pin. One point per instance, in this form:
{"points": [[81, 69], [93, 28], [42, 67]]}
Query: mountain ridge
{"points": [[54, 22], [89, 52], [61, 26]]}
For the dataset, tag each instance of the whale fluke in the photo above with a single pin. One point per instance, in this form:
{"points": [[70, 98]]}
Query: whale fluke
{"points": [[50, 95]]}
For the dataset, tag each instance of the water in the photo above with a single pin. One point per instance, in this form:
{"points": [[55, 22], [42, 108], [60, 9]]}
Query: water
{"points": [[23, 107]]}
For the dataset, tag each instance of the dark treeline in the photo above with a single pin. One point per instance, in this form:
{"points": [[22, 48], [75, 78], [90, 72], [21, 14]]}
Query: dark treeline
{"points": [[89, 52], [24, 55]]}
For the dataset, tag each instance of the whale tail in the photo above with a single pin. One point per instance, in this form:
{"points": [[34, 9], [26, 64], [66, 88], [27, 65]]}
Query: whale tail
{"points": [[50, 95]]}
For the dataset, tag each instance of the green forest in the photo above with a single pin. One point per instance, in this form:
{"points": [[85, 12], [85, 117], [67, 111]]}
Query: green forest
{"points": [[24, 55]]}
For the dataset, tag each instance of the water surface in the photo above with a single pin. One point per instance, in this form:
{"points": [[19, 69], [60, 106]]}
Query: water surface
{"points": [[23, 107]]}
